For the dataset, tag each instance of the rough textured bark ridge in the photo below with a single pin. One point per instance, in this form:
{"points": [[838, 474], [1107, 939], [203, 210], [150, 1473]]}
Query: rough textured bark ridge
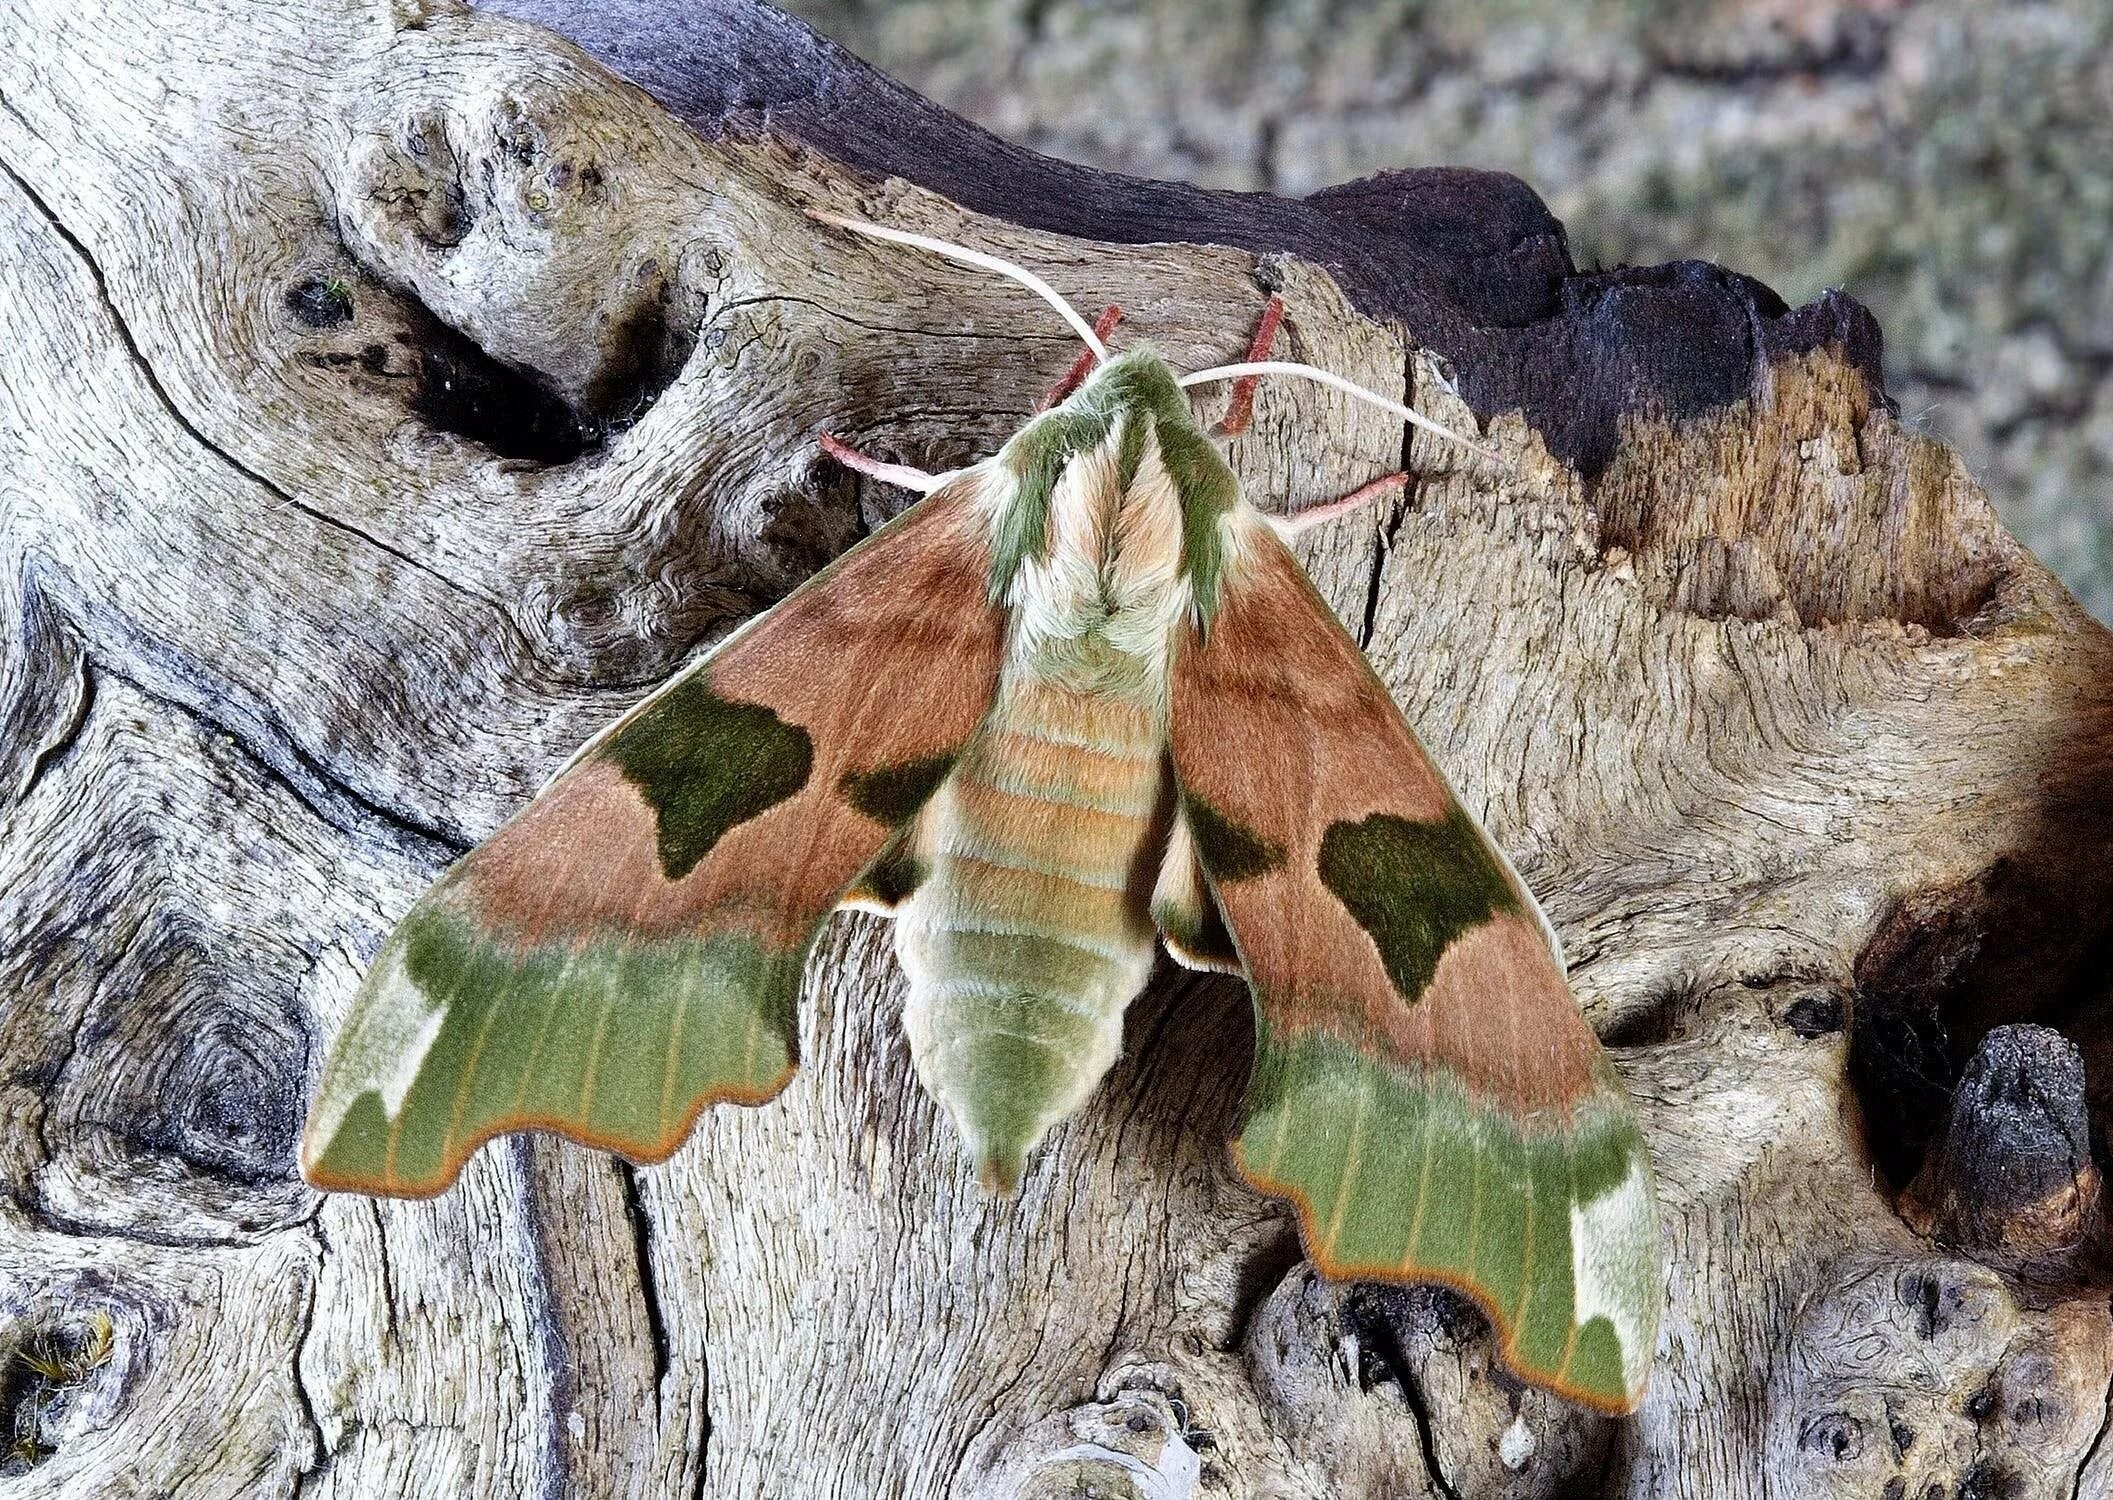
{"points": [[392, 395]]}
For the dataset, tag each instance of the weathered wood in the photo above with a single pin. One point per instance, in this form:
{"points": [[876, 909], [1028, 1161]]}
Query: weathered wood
{"points": [[2011, 1180], [392, 396]]}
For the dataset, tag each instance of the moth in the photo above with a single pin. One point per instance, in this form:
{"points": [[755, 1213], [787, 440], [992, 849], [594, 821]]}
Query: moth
{"points": [[1078, 699]]}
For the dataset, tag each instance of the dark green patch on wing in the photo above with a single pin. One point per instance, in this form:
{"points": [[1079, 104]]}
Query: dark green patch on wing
{"points": [[891, 879], [1229, 849], [705, 765], [1414, 887], [1198, 934], [893, 794]]}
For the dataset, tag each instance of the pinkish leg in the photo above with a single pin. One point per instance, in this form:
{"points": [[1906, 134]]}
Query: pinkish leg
{"points": [[900, 475], [1083, 365], [1242, 409], [1364, 494]]}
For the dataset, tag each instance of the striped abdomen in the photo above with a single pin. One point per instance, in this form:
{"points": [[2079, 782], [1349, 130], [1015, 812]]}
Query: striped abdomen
{"points": [[1030, 931]]}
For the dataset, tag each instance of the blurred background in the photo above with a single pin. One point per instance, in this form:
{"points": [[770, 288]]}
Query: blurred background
{"points": [[1949, 162]]}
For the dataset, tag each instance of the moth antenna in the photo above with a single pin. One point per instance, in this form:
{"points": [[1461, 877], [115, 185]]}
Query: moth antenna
{"points": [[948, 250], [1348, 387], [1083, 365]]}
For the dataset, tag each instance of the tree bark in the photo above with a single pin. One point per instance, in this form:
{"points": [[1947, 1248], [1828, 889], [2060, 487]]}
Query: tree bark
{"points": [[393, 395]]}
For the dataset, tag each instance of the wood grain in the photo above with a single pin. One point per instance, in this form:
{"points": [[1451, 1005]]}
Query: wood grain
{"points": [[392, 395]]}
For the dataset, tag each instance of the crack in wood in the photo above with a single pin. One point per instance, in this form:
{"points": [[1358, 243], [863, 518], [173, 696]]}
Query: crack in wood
{"points": [[147, 372], [648, 1279], [2098, 1440], [551, 1344], [333, 801], [42, 636], [1388, 1349], [325, 1454]]}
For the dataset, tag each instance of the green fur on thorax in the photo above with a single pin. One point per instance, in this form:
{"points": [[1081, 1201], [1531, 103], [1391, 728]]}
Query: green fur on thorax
{"points": [[1137, 385]]}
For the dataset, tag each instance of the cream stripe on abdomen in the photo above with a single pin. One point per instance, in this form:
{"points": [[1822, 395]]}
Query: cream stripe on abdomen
{"points": [[976, 819], [1035, 885]]}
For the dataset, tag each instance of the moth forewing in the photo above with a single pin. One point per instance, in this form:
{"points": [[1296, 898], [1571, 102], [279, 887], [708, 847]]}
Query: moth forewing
{"points": [[629, 947], [1425, 1092]]}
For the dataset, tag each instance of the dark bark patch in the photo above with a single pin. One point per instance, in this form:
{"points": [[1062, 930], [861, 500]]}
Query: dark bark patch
{"points": [[50, 1362], [1815, 1014], [320, 301], [2011, 1179], [1471, 263], [1910, 979], [2022, 941], [455, 385], [1835, 1435], [463, 390]]}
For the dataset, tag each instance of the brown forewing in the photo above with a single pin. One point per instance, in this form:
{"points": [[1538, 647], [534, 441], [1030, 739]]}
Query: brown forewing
{"points": [[889, 656], [1279, 724]]}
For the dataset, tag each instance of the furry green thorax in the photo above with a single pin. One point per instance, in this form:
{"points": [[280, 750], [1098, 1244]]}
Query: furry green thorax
{"points": [[1137, 391]]}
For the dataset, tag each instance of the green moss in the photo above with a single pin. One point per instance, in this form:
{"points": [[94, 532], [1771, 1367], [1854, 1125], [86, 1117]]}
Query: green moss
{"points": [[1414, 887], [706, 765]]}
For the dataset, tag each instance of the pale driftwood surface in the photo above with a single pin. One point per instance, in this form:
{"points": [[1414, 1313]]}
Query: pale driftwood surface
{"points": [[392, 396]]}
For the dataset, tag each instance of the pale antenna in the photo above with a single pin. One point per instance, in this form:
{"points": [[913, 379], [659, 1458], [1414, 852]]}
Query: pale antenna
{"points": [[951, 251], [1348, 387]]}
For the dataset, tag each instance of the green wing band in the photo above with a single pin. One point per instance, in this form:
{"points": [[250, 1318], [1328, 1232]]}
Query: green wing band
{"points": [[1400, 1174], [617, 1041]]}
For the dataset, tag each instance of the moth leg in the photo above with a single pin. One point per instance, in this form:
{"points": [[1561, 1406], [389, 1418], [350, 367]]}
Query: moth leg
{"points": [[1314, 515], [1187, 915], [1242, 409], [900, 475], [1083, 365]]}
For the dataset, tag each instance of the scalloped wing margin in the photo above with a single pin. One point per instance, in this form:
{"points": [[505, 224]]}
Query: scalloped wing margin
{"points": [[1425, 1092], [629, 947]]}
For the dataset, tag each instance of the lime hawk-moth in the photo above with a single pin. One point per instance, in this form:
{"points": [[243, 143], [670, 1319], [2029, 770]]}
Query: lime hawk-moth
{"points": [[1077, 698]]}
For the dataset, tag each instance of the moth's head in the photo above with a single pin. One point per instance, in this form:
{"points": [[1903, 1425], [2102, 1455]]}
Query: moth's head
{"points": [[1130, 405], [1138, 380], [1133, 399], [1130, 416]]}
